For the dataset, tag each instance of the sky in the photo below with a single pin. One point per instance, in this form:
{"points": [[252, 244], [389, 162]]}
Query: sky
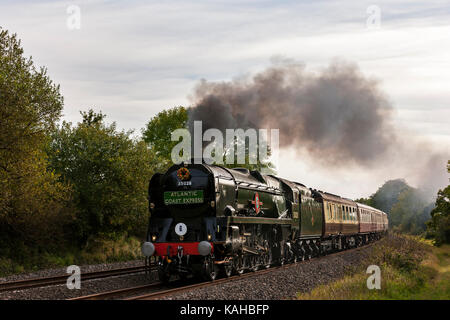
{"points": [[132, 59]]}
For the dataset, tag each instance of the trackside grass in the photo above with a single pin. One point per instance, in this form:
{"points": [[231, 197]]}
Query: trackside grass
{"points": [[411, 269], [96, 251]]}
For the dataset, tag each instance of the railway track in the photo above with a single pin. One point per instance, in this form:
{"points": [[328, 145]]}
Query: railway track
{"points": [[163, 293], [55, 280], [119, 292], [160, 290]]}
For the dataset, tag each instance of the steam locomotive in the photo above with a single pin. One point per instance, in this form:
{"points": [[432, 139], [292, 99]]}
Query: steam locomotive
{"points": [[207, 219]]}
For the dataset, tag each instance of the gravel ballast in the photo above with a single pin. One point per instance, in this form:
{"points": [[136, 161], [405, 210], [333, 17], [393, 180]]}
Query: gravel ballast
{"points": [[282, 283], [62, 271], [87, 287]]}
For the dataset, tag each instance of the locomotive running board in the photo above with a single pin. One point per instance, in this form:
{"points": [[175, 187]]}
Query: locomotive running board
{"points": [[260, 220]]}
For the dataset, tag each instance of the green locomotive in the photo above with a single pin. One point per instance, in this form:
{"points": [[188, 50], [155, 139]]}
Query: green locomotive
{"points": [[207, 219]]}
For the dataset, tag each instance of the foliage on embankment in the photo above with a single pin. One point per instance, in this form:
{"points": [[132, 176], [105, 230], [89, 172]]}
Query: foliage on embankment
{"points": [[411, 268]]}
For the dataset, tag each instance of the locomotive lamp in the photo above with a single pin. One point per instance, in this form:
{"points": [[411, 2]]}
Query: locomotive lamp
{"points": [[153, 238], [209, 237]]}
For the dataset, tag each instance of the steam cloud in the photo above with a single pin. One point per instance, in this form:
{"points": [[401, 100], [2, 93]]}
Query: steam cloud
{"points": [[338, 117]]}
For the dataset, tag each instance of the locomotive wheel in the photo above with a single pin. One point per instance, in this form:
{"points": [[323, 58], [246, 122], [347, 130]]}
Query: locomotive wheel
{"points": [[163, 271], [288, 255], [282, 260], [321, 250], [227, 269], [183, 276], [302, 253], [295, 254], [295, 258], [209, 269], [268, 260], [238, 264], [308, 252], [308, 256], [254, 263]]}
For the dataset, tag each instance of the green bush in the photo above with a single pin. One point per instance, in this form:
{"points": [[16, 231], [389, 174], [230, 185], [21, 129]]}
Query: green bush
{"points": [[109, 173], [410, 269]]}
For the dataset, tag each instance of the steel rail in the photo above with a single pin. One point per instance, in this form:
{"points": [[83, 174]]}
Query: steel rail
{"points": [[118, 292], [155, 295], [167, 292], [55, 280]]}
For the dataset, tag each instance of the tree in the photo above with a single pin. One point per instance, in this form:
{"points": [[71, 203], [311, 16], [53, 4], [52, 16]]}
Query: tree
{"points": [[408, 208], [410, 212], [32, 201], [366, 201], [259, 165], [387, 195], [30, 105], [158, 136], [158, 133], [109, 172], [439, 225]]}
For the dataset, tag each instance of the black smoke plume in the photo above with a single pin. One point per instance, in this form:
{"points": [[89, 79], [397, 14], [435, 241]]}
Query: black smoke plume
{"points": [[337, 117]]}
